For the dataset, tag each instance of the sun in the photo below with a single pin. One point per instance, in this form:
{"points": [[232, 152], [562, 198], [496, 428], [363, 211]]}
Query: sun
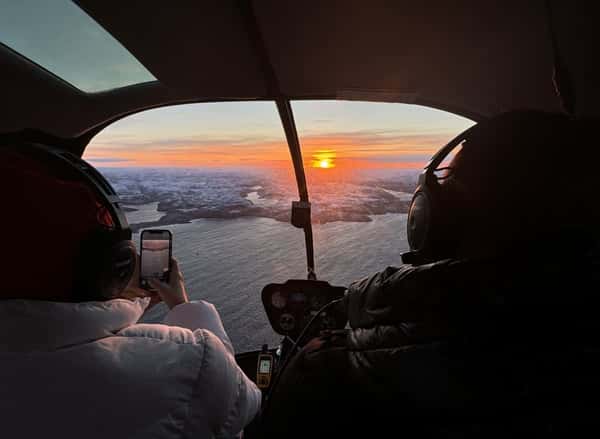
{"points": [[324, 159]]}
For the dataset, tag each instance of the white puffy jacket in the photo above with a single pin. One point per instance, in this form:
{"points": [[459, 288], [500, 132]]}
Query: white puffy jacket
{"points": [[87, 370]]}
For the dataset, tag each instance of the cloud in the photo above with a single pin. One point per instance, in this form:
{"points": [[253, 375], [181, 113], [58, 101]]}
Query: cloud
{"points": [[107, 159], [408, 158], [375, 146], [130, 142]]}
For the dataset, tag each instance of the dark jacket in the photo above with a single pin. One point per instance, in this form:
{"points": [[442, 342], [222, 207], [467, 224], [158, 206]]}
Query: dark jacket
{"points": [[456, 347]]}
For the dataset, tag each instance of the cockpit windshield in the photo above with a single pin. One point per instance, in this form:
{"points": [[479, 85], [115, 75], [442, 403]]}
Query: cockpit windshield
{"points": [[362, 161], [220, 178]]}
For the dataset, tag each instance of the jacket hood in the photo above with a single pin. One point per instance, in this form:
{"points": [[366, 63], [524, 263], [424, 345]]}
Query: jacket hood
{"points": [[29, 326]]}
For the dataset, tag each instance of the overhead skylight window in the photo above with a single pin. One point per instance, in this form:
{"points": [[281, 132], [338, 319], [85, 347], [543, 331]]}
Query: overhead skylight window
{"points": [[64, 40]]}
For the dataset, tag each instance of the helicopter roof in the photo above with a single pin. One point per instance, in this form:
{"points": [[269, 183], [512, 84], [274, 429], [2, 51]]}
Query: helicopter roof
{"points": [[456, 56]]}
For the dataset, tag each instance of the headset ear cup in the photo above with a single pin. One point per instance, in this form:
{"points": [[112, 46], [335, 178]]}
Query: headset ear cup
{"points": [[124, 260], [104, 266], [434, 222], [419, 220]]}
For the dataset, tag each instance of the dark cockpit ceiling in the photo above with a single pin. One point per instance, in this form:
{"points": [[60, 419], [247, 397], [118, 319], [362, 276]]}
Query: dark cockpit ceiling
{"points": [[470, 57]]}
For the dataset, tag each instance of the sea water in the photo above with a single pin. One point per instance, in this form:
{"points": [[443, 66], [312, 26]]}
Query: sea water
{"points": [[228, 262]]}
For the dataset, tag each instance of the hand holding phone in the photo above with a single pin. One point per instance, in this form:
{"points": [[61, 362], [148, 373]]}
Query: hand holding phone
{"points": [[172, 293], [133, 289], [155, 256]]}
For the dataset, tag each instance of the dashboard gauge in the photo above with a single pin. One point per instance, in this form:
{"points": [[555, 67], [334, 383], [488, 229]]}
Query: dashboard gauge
{"points": [[287, 322], [327, 322], [316, 302], [278, 300], [297, 297]]}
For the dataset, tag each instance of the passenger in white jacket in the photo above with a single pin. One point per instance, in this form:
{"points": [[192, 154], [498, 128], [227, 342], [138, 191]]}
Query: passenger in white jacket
{"points": [[89, 370], [78, 365]]}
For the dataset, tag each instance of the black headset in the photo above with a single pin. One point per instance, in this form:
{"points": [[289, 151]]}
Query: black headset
{"points": [[107, 257], [430, 217]]}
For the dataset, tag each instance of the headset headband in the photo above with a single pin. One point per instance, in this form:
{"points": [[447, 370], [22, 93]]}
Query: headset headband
{"points": [[439, 156], [87, 172]]}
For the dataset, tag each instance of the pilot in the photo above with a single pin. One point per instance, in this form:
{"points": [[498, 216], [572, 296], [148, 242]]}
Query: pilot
{"points": [[490, 327], [74, 360]]}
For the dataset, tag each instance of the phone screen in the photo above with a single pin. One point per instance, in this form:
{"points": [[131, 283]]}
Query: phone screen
{"points": [[155, 256], [265, 366]]}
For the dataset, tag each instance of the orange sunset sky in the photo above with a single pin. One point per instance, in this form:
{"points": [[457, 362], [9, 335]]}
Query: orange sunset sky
{"points": [[335, 136]]}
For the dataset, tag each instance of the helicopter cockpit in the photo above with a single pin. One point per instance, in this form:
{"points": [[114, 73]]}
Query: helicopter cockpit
{"points": [[226, 192], [279, 144]]}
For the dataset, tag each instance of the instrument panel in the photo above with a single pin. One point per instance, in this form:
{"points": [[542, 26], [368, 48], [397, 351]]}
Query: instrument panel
{"points": [[291, 305]]}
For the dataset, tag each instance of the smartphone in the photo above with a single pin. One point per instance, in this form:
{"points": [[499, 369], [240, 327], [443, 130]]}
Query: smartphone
{"points": [[155, 256]]}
